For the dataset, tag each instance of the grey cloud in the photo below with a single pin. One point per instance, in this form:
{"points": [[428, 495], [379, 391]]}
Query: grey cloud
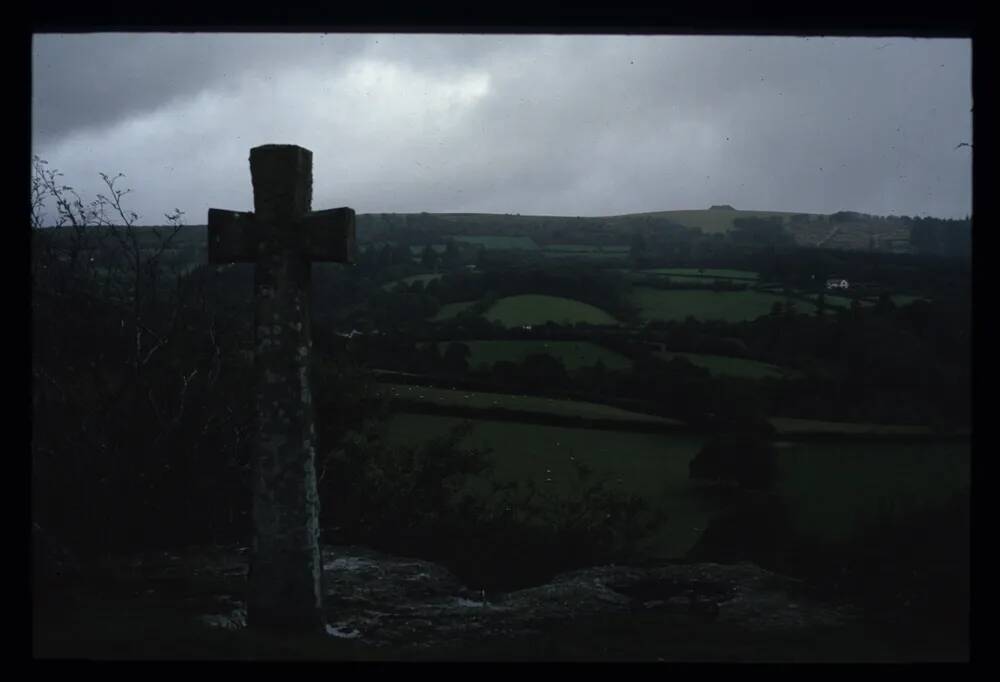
{"points": [[568, 125], [83, 81]]}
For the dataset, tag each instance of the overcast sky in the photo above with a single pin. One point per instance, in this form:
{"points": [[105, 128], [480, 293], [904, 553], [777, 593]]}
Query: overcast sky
{"points": [[552, 125]]}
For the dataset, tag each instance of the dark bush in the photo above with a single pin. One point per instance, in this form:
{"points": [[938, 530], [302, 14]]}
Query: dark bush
{"points": [[908, 566], [440, 502], [742, 458], [915, 561], [757, 528]]}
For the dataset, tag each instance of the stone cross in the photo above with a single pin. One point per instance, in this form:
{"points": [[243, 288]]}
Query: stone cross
{"points": [[282, 237]]}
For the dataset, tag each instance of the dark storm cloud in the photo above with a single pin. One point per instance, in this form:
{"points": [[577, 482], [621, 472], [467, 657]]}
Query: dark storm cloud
{"points": [[528, 124], [83, 81]]}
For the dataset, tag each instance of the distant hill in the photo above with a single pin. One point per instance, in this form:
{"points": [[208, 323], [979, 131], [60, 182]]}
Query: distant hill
{"points": [[841, 230], [550, 229]]}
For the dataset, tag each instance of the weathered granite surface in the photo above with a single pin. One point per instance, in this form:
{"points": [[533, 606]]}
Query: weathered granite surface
{"points": [[385, 600]]}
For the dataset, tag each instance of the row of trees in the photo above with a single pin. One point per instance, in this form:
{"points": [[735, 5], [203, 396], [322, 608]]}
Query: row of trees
{"points": [[951, 238], [138, 381]]}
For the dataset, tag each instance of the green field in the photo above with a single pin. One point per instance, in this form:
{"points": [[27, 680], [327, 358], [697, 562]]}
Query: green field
{"points": [[411, 279], [729, 306], [508, 401], [829, 486], [534, 309], [450, 310], [716, 273], [728, 366], [572, 354]]}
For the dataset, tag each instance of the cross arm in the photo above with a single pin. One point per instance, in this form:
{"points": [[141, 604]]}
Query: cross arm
{"points": [[231, 237], [329, 235]]}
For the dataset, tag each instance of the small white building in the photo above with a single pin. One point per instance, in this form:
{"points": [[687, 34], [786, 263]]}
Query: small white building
{"points": [[836, 284]]}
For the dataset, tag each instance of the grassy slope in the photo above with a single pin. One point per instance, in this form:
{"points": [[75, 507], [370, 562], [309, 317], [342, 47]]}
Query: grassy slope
{"points": [[731, 306]]}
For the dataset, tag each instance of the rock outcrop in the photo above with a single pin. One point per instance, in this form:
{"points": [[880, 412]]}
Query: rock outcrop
{"points": [[385, 600]]}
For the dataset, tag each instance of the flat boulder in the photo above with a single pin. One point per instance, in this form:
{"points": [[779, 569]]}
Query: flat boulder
{"points": [[385, 600]]}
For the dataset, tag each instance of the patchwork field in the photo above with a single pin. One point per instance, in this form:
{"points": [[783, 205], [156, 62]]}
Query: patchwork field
{"points": [[573, 354], [730, 306], [727, 366], [533, 309]]}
